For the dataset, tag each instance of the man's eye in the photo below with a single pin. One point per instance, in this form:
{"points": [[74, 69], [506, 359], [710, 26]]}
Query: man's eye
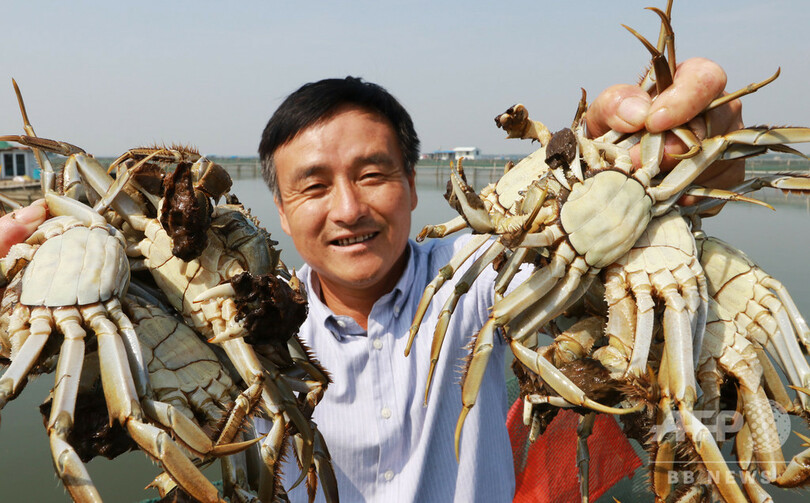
{"points": [[314, 187]]}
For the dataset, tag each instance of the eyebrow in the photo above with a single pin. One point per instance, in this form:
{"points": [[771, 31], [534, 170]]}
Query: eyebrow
{"points": [[378, 158], [317, 169], [308, 172]]}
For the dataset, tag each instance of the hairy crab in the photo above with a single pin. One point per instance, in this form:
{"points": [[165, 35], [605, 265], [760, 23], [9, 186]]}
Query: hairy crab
{"points": [[582, 217], [218, 271]]}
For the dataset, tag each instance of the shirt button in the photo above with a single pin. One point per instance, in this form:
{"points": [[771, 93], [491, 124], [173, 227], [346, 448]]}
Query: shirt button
{"points": [[388, 475], [385, 413], [396, 309], [377, 344]]}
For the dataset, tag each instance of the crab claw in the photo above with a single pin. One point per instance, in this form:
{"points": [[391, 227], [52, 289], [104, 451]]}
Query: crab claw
{"points": [[537, 363], [223, 290], [515, 121], [468, 203]]}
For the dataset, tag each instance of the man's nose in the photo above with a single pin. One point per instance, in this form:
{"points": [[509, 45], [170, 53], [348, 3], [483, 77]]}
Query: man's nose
{"points": [[347, 203]]}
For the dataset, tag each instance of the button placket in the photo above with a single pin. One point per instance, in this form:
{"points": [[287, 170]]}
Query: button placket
{"points": [[384, 389]]}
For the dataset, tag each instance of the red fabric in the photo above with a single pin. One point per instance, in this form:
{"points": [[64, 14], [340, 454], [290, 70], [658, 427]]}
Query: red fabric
{"points": [[546, 471]]}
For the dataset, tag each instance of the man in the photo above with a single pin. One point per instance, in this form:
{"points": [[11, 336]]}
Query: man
{"points": [[339, 156]]}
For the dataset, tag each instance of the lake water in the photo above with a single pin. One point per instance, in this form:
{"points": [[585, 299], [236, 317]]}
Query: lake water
{"points": [[778, 240]]}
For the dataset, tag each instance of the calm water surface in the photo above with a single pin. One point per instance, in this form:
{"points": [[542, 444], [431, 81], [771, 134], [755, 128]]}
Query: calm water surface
{"points": [[779, 241]]}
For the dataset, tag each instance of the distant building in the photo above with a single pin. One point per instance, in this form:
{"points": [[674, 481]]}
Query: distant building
{"points": [[17, 161], [452, 155], [467, 152]]}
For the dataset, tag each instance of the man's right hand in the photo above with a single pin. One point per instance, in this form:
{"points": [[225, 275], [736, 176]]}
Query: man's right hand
{"points": [[17, 226]]}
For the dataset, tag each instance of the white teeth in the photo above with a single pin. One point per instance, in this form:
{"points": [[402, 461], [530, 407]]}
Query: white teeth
{"points": [[351, 241]]}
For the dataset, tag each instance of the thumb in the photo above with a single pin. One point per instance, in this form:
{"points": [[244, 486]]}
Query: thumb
{"points": [[17, 226]]}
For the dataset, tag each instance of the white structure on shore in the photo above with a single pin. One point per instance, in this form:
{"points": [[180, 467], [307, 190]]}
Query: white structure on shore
{"points": [[452, 155], [17, 161]]}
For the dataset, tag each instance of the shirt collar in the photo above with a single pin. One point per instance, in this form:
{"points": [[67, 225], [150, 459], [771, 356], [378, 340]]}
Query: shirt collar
{"points": [[343, 326]]}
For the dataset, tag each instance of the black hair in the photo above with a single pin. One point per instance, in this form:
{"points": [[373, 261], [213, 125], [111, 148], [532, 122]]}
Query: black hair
{"points": [[317, 101]]}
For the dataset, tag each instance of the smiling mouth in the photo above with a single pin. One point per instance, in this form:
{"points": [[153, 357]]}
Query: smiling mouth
{"points": [[354, 240]]}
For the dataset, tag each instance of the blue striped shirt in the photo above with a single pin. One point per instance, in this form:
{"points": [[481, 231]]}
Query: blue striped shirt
{"points": [[385, 445]]}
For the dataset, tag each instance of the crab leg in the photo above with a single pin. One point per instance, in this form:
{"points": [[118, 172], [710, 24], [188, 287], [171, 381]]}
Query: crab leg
{"points": [[736, 357], [584, 430], [677, 339], [16, 374], [67, 463], [189, 433], [652, 151], [786, 302], [235, 478], [509, 270], [753, 489], [277, 398], [557, 380], [695, 292], [709, 379], [10, 203], [461, 288], [697, 433], [318, 378], [528, 322], [445, 273], [785, 341], [442, 230], [630, 324], [710, 454], [534, 288], [795, 182], [137, 364], [751, 141], [470, 205], [798, 470], [773, 382], [675, 389], [749, 89], [122, 404], [322, 466], [574, 284]]}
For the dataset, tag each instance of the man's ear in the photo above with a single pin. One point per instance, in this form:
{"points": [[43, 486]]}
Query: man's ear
{"points": [[412, 186], [285, 226]]}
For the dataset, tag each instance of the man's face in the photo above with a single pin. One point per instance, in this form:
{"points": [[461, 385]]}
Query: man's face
{"points": [[346, 201]]}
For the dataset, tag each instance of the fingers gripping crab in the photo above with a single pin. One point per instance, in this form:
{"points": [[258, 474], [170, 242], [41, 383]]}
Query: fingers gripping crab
{"points": [[580, 202]]}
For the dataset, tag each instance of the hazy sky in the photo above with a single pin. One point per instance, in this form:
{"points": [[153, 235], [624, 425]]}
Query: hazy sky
{"points": [[112, 75]]}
